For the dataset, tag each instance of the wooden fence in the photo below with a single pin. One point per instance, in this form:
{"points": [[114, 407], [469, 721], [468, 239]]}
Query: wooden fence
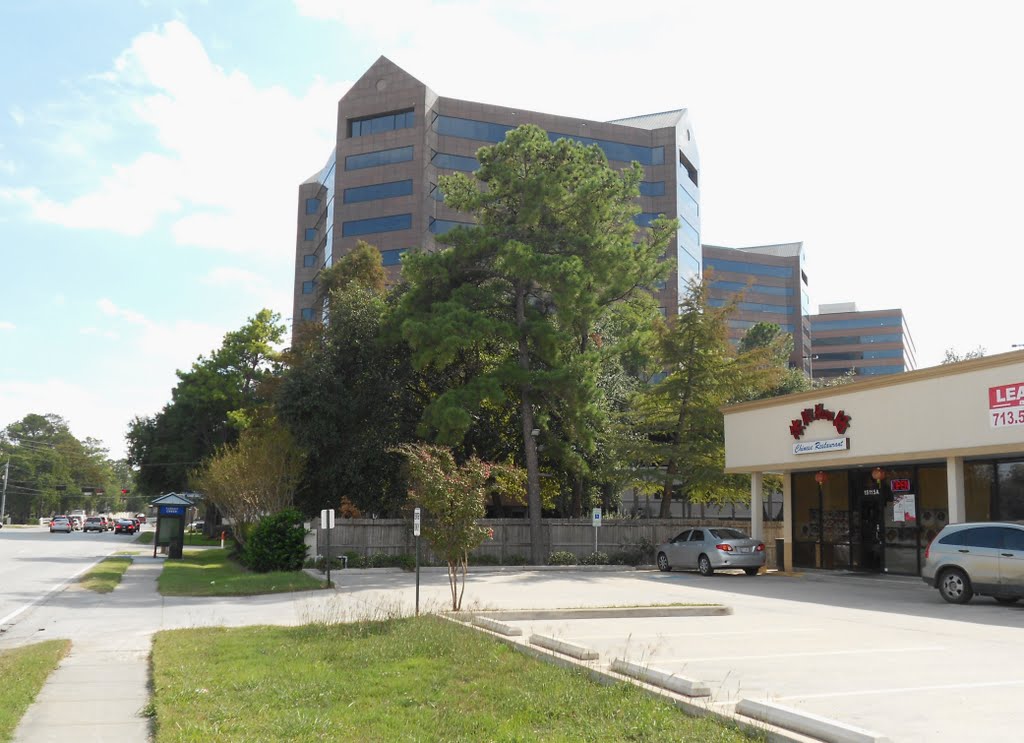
{"points": [[511, 541]]}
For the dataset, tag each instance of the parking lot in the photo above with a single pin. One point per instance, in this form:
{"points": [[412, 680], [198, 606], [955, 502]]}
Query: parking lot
{"points": [[883, 654]]}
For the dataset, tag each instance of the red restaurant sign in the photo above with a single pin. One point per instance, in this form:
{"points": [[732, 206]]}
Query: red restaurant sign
{"points": [[818, 413], [1006, 396]]}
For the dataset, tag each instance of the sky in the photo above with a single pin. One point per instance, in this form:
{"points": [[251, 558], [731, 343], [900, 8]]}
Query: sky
{"points": [[151, 150]]}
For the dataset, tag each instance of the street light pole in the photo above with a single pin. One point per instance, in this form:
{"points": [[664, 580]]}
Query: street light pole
{"points": [[3, 498]]}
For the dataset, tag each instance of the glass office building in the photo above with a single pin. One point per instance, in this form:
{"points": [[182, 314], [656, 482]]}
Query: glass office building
{"points": [[395, 137], [864, 343]]}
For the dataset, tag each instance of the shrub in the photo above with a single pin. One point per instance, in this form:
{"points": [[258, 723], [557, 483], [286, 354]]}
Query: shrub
{"points": [[562, 558], [595, 558], [276, 543], [515, 560]]}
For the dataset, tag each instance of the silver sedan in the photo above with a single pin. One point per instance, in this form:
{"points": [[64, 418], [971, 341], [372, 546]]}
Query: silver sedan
{"points": [[708, 548]]}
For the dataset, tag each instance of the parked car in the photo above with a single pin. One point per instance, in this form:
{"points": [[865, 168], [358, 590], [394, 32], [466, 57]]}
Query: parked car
{"points": [[61, 523], [141, 517], [125, 526], [709, 548], [977, 558], [95, 523]]}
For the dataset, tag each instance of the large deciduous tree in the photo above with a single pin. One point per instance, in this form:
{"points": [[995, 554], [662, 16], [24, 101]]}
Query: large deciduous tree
{"points": [[680, 416], [555, 245], [211, 403]]}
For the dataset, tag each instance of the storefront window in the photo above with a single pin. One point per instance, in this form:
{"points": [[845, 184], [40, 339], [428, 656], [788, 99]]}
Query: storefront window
{"points": [[978, 480], [1010, 491], [933, 504]]}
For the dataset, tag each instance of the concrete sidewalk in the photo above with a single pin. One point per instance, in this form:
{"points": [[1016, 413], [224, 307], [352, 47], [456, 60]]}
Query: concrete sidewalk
{"points": [[99, 691]]}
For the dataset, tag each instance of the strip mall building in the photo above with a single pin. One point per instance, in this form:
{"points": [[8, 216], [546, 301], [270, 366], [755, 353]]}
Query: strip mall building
{"points": [[872, 470]]}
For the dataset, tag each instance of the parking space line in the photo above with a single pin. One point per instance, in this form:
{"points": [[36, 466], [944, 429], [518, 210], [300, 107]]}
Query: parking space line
{"points": [[899, 690], [811, 654], [779, 631]]}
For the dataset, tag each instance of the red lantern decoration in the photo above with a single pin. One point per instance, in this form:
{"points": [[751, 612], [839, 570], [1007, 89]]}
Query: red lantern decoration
{"points": [[877, 474], [821, 477]]}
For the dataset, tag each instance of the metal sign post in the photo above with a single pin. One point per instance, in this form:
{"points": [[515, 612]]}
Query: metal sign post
{"points": [[416, 533], [327, 521], [596, 521]]}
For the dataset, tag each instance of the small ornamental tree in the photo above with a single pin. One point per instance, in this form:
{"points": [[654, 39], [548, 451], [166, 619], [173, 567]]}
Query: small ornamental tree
{"points": [[453, 497]]}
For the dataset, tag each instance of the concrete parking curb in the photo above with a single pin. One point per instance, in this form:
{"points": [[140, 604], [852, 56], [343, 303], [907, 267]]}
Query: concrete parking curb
{"points": [[496, 626], [565, 648], [609, 612], [806, 723], [654, 677]]}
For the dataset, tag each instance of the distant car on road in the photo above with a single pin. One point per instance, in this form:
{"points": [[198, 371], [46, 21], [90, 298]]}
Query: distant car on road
{"points": [[95, 523], [977, 558], [125, 526], [141, 517], [708, 548], [76, 522], [61, 523]]}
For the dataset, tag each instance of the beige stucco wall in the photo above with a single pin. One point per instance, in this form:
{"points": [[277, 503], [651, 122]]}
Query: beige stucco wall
{"points": [[929, 414]]}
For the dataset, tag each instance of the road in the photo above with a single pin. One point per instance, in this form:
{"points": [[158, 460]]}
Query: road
{"points": [[34, 562]]}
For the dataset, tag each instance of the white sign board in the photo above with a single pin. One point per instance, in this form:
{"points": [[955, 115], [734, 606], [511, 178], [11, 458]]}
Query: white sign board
{"points": [[904, 508], [596, 518], [416, 522], [818, 447], [1006, 405], [327, 518]]}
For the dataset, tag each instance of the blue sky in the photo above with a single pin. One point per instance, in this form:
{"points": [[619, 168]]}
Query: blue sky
{"points": [[150, 154]]}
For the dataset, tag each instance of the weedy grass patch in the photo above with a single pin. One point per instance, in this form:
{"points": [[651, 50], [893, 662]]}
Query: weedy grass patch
{"points": [[106, 575], [212, 572], [24, 671], [415, 678]]}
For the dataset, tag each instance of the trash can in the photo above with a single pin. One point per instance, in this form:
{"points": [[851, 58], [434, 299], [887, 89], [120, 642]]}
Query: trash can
{"points": [[174, 549]]}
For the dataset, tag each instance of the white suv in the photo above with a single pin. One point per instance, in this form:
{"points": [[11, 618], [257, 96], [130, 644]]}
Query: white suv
{"points": [[984, 558]]}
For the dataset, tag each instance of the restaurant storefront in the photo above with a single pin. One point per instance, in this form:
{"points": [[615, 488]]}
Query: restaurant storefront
{"points": [[872, 471]]}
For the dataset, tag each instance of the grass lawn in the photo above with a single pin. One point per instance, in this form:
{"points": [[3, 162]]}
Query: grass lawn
{"points": [[210, 572], [105, 576], [24, 670], [145, 537], [421, 679]]}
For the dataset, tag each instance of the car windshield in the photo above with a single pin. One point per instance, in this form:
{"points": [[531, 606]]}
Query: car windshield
{"points": [[728, 534]]}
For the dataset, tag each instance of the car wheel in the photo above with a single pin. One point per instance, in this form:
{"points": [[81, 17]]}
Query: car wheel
{"points": [[663, 565], [704, 565], [955, 586], [751, 571], [1007, 599]]}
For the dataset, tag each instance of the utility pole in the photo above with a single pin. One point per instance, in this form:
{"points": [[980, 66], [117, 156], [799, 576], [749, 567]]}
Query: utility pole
{"points": [[3, 498]]}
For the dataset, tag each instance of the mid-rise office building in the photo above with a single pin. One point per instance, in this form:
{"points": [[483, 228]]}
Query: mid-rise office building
{"points": [[395, 137], [769, 284], [867, 343]]}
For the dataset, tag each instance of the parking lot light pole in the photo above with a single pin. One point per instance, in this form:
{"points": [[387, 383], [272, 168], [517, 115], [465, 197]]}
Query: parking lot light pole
{"points": [[3, 497]]}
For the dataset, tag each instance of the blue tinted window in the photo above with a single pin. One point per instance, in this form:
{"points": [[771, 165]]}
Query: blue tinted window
{"points": [[435, 193], [891, 353], [652, 188], [381, 123], [755, 268], [858, 322], [780, 309], [737, 286], [392, 257], [308, 260], [690, 236], [378, 191], [688, 207], [844, 340], [307, 287], [390, 223], [455, 162], [380, 157], [307, 313], [873, 370], [747, 324], [441, 226], [312, 206], [644, 219], [617, 150], [310, 233], [469, 129]]}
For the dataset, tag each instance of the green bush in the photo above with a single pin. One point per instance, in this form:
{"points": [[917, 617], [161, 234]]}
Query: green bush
{"points": [[595, 558], [276, 543], [515, 560], [562, 558]]}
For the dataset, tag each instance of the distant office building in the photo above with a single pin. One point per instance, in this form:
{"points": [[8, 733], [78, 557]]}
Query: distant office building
{"points": [[772, 287], [868, 343], [395, 137]]}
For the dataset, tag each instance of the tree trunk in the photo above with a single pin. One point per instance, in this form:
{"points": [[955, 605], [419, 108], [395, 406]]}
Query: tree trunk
{"points": [[666, 495], [529, 442], [576, 510]]}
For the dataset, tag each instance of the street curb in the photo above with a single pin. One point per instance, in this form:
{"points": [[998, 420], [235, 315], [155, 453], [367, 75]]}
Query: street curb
{"points": [[806, 723], [611, 612]]}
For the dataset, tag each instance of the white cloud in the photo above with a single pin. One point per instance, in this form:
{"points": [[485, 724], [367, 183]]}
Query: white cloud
{"points": [[5, 325], [17, 115], [98, 332], [176, 344], [8, 166], [109, 308], [232, 153]]}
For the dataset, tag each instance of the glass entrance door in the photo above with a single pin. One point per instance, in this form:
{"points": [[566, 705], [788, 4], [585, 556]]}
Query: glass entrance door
{"points": [[866, 523]]}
